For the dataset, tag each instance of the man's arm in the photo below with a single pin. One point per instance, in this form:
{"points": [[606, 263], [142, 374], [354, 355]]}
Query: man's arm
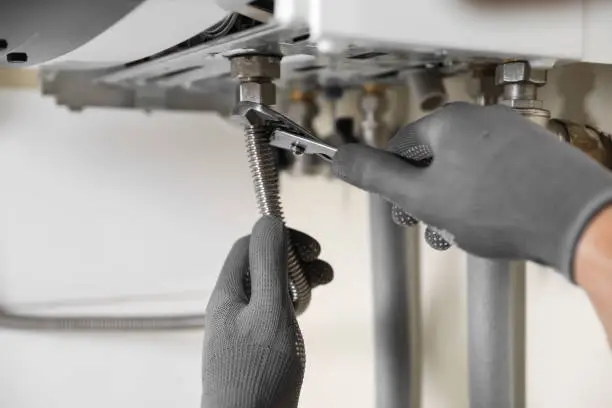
{"points": [[593, 266]]}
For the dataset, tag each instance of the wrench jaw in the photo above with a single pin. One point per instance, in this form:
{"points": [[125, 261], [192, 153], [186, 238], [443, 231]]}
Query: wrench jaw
{"points": [[286, 134], [300, 145], [244, 114]]}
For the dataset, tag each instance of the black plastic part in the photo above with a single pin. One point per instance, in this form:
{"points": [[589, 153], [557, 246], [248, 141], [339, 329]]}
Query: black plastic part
{"points": [[386, 75], [309, 68], [367, 55], [301, 38], [43, 30], [267, 5], [3, 45], [17, 58]]}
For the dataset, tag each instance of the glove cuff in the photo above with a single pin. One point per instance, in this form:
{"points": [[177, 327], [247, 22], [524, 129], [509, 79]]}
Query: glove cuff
{"points": [[581, 222]]}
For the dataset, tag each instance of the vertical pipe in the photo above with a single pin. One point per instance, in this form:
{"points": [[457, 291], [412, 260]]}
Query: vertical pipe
{"points": [[496, 333], [395, 275], [393, 373], [496, 317]]}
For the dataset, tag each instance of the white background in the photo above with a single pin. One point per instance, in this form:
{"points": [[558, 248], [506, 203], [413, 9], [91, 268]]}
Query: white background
{"points": [[103, 207]]}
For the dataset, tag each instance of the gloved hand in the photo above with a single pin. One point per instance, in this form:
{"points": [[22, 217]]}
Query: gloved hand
{"points": [[503, 186], [253, 348]]}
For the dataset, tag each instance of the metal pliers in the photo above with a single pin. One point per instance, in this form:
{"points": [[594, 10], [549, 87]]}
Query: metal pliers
{"points": [[286, 134]]}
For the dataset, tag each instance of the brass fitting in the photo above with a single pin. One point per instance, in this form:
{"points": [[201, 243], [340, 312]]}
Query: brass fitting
{"points": [[588, 139]]}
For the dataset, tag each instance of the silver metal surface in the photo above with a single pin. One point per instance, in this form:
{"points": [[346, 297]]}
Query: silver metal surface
{"points": [[395, 277], [496, 333], [496, 314], [519, 72], [254, 112], [394, 372], [427, 88], [253, 67], [255, 73], [258, 92], [79, 89], [302, 144], [353, 66], [520, 91], [520, 85], [27, 322], [286, 134], [262, 162]]}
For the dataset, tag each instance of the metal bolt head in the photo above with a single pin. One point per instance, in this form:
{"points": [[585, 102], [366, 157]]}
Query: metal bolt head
{"points": [[256, 66], [518, 72], [264, 93], [297, 150]]}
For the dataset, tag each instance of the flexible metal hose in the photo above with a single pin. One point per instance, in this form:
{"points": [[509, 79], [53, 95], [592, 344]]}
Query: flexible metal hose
{"points": [[265, 181], [14, 321]]}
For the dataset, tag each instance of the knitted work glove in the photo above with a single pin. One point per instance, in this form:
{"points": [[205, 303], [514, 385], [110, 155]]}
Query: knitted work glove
{"points": [[501, 185], [253, 347]]}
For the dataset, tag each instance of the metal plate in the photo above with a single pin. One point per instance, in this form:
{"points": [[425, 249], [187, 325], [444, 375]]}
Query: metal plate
{"points": [[302, 59]]}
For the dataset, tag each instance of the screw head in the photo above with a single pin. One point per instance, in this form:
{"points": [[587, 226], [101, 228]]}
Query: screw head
{"points": [[297, 149]]}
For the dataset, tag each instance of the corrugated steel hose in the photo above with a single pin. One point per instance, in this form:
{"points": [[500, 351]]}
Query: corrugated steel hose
{"points": [[27, 322]]}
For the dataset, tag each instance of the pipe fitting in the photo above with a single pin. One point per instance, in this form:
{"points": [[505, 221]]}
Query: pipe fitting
{"points": [[595, 143], [519, 72], [258, 92], [520, 89], [427, 88], [255, 67]]}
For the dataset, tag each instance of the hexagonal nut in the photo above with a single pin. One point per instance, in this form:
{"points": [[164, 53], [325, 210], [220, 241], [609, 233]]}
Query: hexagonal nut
{"points": [[264, 93], [256, 66], [518, 72]]}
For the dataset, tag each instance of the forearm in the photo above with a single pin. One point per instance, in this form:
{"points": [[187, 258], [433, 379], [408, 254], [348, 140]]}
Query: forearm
{"points": [[593, 266]]}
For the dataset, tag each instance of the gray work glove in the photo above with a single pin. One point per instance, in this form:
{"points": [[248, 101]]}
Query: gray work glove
{"points": [[501, 185], [253, 348]]}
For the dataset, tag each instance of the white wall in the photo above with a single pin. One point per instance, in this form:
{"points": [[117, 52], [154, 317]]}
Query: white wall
{"points": [[103, 207]]}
